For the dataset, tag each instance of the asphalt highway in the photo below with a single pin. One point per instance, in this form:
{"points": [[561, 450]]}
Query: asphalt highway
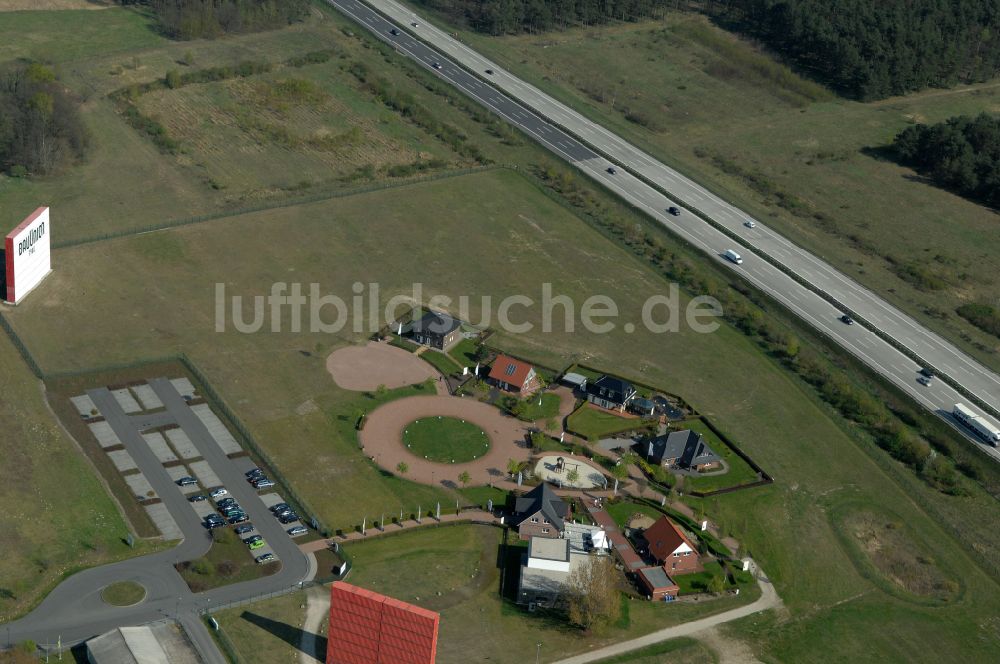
{"points": [[769, 260]]}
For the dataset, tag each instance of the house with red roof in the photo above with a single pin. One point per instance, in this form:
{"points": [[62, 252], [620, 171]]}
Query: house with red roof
{"points": [[514, 376], [369, 628], [670, 547]]}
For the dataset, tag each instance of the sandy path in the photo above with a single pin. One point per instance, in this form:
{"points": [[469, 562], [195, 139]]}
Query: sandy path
{"points": [[317, 608], [381, 439]]}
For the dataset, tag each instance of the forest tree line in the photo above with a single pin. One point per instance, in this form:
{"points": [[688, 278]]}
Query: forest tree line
{"points": [[200, 19], [962, 154], [497, 17], [870, 49], [40, 126], [866, 49]]}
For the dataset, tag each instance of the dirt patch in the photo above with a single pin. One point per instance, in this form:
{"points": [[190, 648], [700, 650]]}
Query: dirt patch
{"points": [[895, 555], [364, 368]]}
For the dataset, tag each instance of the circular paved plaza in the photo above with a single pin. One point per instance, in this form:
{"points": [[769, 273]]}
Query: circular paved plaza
{"points": [[382, 439]]}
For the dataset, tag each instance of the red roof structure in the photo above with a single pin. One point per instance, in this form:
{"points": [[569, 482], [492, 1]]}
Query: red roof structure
{"points": [[508, 370], [664, 538], [369, 628]]}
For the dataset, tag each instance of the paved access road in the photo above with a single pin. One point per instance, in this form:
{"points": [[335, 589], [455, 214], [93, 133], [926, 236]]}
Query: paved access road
{"points": [[544, 119], [74, 611]]}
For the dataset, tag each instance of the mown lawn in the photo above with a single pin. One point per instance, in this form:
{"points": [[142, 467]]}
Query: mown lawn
{"points": [[446, 439], [594, 424], [531, 411], [440, 361], [739, 471]]}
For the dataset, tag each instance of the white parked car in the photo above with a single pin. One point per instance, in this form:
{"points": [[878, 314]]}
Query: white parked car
{"points": [[216, 493]]}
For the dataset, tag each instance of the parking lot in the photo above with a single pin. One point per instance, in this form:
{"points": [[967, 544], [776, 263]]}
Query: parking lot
{"points": [[155, 432]]}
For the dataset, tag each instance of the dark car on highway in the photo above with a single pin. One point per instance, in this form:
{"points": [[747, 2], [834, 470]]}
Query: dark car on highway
{"points": [[394, 32], [674, 211], [846, 320], [611, 170]]}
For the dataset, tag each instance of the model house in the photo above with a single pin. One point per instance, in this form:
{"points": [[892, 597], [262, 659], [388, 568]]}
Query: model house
{"points": [[540, 513], [514, 376], [437, 330], [670, 547], [610, 393], [679, 449]]}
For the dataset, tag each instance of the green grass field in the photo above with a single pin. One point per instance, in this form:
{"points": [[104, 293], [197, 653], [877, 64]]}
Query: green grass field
{"points": [[57, 516], [531, 411], [446, 439], [440, 361], [594, 424], [782, 148], [281, 389], [123, 593], [464, 352]]}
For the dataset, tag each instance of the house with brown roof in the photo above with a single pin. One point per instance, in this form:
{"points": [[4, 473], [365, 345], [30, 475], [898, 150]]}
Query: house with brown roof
{"points": [[514, 376], [540, 513], [670, 547]]}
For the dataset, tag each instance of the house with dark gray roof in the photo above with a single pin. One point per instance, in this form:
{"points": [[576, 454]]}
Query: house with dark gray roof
{"points": [[437, 330], [679, 449], [610, 393], [540, 513]]}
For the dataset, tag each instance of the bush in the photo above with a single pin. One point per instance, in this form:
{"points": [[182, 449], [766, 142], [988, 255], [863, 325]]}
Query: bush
{"points": [[173, 79], [203, 567], [18, 171]]}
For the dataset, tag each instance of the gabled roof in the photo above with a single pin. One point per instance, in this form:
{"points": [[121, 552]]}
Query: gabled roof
{"points": [[435, 322], [664, 537], [509, 370], [688, 447], [611, 388], [541, 499]]}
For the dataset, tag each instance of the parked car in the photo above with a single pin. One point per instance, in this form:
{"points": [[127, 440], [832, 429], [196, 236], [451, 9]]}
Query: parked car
{"points": [[256, 544], [243, 529], [254, 472], [288, 518], [263, 483], [265, 558], [215, 493], [253, 538], [197, 498], [846, 320], [186, 481], [226, 502], [280, 506], [297, 530], [239, 517], [674, 211], [283, 511], [213, 521]]}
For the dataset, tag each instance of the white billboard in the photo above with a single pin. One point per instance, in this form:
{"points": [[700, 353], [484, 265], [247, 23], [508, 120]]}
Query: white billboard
{"points": [[26, 255]]}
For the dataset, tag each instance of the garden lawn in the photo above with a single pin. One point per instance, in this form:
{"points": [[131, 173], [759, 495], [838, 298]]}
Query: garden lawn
{"points": [[440, 361], [446, 439], [531, 411], [594, 424]]}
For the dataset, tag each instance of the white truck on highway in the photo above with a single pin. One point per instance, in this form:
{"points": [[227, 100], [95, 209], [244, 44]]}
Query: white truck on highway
{"points": [[733, 256], [977, 424]]}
